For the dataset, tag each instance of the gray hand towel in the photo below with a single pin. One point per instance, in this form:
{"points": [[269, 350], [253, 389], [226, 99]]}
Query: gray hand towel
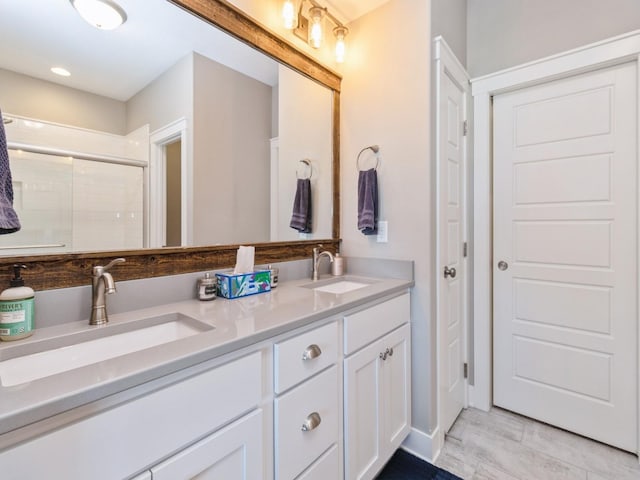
{"points": [[9, 222], [368, 202], [301, 216]]}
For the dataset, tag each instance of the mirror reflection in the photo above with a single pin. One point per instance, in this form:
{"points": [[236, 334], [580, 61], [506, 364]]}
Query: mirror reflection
{"points": [[167, 132]]}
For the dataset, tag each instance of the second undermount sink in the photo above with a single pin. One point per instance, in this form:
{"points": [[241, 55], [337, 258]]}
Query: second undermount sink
{"points": [[338, 285], [40, 359]]}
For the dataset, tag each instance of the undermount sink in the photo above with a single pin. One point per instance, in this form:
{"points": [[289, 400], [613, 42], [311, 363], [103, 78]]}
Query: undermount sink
{"points": [[338, 285], [56, 355]]}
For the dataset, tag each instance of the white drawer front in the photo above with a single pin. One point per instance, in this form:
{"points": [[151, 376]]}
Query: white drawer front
{"points": [[296, 449], [152, 426], [326, 467], [300, 357], [365, 326]]}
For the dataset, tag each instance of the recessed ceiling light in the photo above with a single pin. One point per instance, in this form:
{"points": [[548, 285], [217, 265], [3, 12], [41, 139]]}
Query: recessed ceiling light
{"points": [[102, 14], [63, 72]]}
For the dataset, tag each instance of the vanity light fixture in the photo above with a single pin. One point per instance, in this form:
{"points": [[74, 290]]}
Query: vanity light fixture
{"points": [[341, 49], [315, 27], [102, 14], [310, 28], [289, 14]]}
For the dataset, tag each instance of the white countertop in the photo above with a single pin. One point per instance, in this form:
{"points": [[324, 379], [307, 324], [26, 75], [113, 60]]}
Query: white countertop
{"points": [[238, 323]]}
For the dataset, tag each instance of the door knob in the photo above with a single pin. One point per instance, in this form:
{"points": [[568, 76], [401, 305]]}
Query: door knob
{"points": [[502, 265], [449, 272]]}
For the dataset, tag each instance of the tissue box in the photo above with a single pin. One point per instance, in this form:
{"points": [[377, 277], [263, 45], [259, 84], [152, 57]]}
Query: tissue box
{"points": [[240, 285]]}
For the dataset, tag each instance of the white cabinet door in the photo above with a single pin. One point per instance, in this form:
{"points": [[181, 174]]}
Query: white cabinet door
{"points": [[233, 453], [377, 403], [396, 388]]}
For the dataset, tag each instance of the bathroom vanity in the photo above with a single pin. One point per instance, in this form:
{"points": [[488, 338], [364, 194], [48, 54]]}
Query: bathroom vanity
{"points": [[309, 381]]}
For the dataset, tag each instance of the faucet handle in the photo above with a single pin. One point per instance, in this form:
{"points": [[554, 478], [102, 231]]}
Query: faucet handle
{"points": [[112, 263], [99, 269]]}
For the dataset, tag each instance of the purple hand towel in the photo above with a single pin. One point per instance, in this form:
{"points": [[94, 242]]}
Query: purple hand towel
{"points": [[9, 222], [301, 216], [368, 202]]}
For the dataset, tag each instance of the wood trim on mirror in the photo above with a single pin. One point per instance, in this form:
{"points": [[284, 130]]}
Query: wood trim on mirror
{"points": [[45, 272]]}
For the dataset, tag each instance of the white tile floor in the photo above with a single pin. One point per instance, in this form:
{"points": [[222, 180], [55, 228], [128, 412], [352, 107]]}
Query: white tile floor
{"points": [[501, 445]]}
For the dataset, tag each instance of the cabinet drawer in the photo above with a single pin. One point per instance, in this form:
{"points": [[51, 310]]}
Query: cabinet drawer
{"points": [[365, 326], [325, 468], [298, 358], [296, 449], [136, 434], [233, 452]]}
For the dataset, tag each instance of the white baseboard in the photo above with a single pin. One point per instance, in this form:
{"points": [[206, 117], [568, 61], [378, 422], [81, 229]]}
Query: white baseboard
{"points": [[424, 446]]}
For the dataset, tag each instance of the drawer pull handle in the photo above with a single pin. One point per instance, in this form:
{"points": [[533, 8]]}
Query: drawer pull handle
{"points": [[311, 352], [311, 422]]}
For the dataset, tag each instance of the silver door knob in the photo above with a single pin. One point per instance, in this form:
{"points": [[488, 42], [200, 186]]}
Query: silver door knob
{"points": [[502, 265], [449, 272]]}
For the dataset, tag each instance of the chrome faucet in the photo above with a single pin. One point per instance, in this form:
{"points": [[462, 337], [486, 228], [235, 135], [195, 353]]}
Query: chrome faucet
{"points": [[317, 255], [101, 283]]}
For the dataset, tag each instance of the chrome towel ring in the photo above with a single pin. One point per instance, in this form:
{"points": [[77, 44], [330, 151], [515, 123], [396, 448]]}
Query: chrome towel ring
{"points": [[375, 149], [307, 162]]}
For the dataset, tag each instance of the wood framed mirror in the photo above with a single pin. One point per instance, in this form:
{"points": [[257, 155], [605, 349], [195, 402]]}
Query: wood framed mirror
{"points": [[73, 269]]}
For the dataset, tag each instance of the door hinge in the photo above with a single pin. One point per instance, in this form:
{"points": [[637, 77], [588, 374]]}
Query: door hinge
{"points": [[466, 370], [465, 250], [465, 128]]}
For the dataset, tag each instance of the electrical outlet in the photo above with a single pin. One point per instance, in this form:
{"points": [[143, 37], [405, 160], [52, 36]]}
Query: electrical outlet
{"points": [[383, 232]]}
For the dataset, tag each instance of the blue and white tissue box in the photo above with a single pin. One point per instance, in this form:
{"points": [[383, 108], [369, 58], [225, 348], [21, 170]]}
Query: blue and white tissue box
{"points": [[232, 285]]}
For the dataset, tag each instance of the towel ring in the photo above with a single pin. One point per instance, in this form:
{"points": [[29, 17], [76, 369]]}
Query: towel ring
{"points": [[375, 149], [308, 164]]}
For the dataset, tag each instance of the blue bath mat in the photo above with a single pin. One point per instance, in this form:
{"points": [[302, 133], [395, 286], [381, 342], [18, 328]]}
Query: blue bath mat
{"points": [[404, 466]]}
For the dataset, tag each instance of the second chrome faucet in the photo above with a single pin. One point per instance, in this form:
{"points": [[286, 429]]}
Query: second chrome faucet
{"points": [[317, 255]]}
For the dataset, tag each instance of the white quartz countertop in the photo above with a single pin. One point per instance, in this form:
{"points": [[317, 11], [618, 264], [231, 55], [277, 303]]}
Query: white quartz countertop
{"points": [[238, 323]]}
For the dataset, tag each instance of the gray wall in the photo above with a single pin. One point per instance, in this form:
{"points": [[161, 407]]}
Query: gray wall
{"points": [[505, 33], [449, 19], [31, 97], [386, 101], [232, 128], [166, 99]]}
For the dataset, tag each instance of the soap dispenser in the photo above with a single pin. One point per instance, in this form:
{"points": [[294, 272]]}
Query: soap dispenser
{"points": [[16, 308]]}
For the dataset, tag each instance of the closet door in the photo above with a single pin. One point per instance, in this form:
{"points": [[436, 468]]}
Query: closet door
{"points": [[565, 254]]}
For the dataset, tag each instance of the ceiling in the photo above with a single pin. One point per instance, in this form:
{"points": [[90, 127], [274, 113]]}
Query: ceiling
{"points": [[349, 10], [36, 35]]}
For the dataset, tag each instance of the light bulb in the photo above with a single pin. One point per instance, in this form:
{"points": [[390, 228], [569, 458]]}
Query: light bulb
{"points": [[340, 33], [289, 15], [102, 14], [315, 27]]}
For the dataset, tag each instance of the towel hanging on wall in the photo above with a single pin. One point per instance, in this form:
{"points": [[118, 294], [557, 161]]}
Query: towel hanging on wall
{"points": [[368, 201], [9, 222], [301, 216]]}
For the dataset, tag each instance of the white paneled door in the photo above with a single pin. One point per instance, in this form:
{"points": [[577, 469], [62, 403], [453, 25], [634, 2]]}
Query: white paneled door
{"points": [[565, 254], [451, 169]]}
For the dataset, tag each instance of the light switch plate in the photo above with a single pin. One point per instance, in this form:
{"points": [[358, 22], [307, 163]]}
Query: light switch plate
{"points": [[383, 230]]}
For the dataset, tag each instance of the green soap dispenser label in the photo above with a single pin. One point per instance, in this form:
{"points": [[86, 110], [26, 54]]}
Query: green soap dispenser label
{"points": [[16, 316]]}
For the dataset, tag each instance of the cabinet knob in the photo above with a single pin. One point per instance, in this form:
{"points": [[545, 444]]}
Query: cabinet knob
{"points": [[312, 421], [311, 352], [383, 355], [390, 351]]}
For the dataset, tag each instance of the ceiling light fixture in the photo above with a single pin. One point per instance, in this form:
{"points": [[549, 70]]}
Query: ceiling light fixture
{"points": [[310, 28], [102, 14], [63, 72]]}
